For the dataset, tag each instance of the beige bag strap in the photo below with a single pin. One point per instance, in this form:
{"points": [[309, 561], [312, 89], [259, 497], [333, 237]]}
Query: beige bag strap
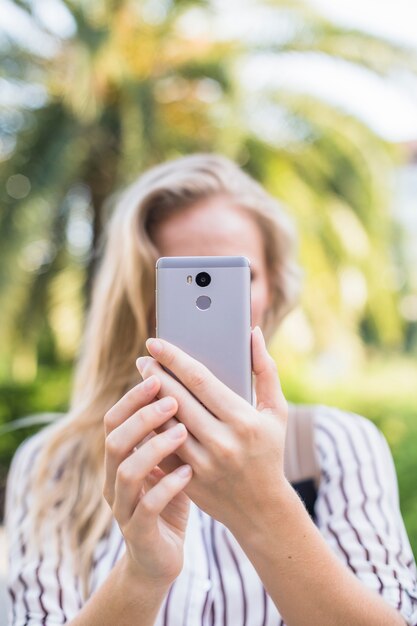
{"points": [[300, 456]]}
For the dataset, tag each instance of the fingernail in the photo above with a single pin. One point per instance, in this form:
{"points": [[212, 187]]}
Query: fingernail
{"points": [[177, 431], [184, 471], [165, 404], [154, 346], [260, 334], [140, 363]]}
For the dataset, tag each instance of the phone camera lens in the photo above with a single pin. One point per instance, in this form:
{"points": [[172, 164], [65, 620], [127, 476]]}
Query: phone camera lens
{"points": [[203, 279]]}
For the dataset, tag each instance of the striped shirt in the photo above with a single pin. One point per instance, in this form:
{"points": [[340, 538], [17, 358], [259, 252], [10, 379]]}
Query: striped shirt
{"points": [[357, 512]]}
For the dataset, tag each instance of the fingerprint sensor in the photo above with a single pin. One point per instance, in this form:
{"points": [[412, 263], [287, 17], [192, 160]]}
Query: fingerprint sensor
{"points": [[203, 302]]}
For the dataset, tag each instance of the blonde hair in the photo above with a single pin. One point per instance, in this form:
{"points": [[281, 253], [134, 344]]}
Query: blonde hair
{"points": [[69, 471]]}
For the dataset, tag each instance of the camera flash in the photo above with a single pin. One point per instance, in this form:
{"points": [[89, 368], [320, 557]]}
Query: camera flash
{"points": [[189, 279]]}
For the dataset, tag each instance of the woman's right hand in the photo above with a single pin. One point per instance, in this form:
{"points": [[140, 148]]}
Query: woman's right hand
{"points": [[149, 506]]}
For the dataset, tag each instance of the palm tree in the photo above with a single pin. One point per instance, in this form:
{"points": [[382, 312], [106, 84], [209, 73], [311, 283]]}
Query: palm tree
{"points": [[132, 86]]}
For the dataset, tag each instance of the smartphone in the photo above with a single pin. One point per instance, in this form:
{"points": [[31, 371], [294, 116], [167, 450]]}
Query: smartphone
{"points": [[203, 306]]}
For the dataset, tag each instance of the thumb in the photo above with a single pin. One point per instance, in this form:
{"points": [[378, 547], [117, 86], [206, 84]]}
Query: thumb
{"points": [[267, 384]]}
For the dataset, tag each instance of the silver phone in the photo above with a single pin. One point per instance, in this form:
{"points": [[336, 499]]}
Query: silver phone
{"points": [[203, 306]]}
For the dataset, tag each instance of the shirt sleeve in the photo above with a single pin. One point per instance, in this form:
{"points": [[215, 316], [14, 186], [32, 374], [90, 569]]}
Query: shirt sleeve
{"points": [[41, 584], [358, 509]]}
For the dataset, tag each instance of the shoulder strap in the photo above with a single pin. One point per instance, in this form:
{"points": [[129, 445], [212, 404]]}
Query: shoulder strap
{"points": [[300, 456]]}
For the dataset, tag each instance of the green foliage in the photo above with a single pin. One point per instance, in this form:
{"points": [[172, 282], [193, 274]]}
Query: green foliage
{"points": [[133, 87], [49, 393]]}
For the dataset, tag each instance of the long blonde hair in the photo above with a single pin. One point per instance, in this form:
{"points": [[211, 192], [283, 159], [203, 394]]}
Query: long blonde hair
{"points": [[69, 471]]}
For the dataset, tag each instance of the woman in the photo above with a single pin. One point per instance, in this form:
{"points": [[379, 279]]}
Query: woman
{"points": [[166, 503]]}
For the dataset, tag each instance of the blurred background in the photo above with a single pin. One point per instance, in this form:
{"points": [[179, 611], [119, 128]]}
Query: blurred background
{"points": [[316, 99]]}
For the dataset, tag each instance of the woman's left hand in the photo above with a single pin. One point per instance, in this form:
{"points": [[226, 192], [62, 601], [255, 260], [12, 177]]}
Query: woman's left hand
{"points": [[236, 450]]}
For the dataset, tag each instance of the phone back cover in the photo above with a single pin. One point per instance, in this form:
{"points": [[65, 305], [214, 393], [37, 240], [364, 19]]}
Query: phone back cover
{"points": [[220, 336]]}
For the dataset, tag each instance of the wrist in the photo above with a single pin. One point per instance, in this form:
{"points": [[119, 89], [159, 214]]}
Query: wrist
{"points": [[135, 579], [256, 524]]}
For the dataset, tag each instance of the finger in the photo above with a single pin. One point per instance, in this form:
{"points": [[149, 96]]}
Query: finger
{"points": [[153, 478], [153, 503], [267, 384], [133, 400], [205, 430], [132, 472], [172, 461], [121, 441], [199, 380]]}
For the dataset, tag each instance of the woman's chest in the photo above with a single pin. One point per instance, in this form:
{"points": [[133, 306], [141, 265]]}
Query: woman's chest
{"points": [[218, 585]]}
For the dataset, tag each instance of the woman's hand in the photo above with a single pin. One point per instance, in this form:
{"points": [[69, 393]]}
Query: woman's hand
{"points": [[149, 506], [236, 451]]}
